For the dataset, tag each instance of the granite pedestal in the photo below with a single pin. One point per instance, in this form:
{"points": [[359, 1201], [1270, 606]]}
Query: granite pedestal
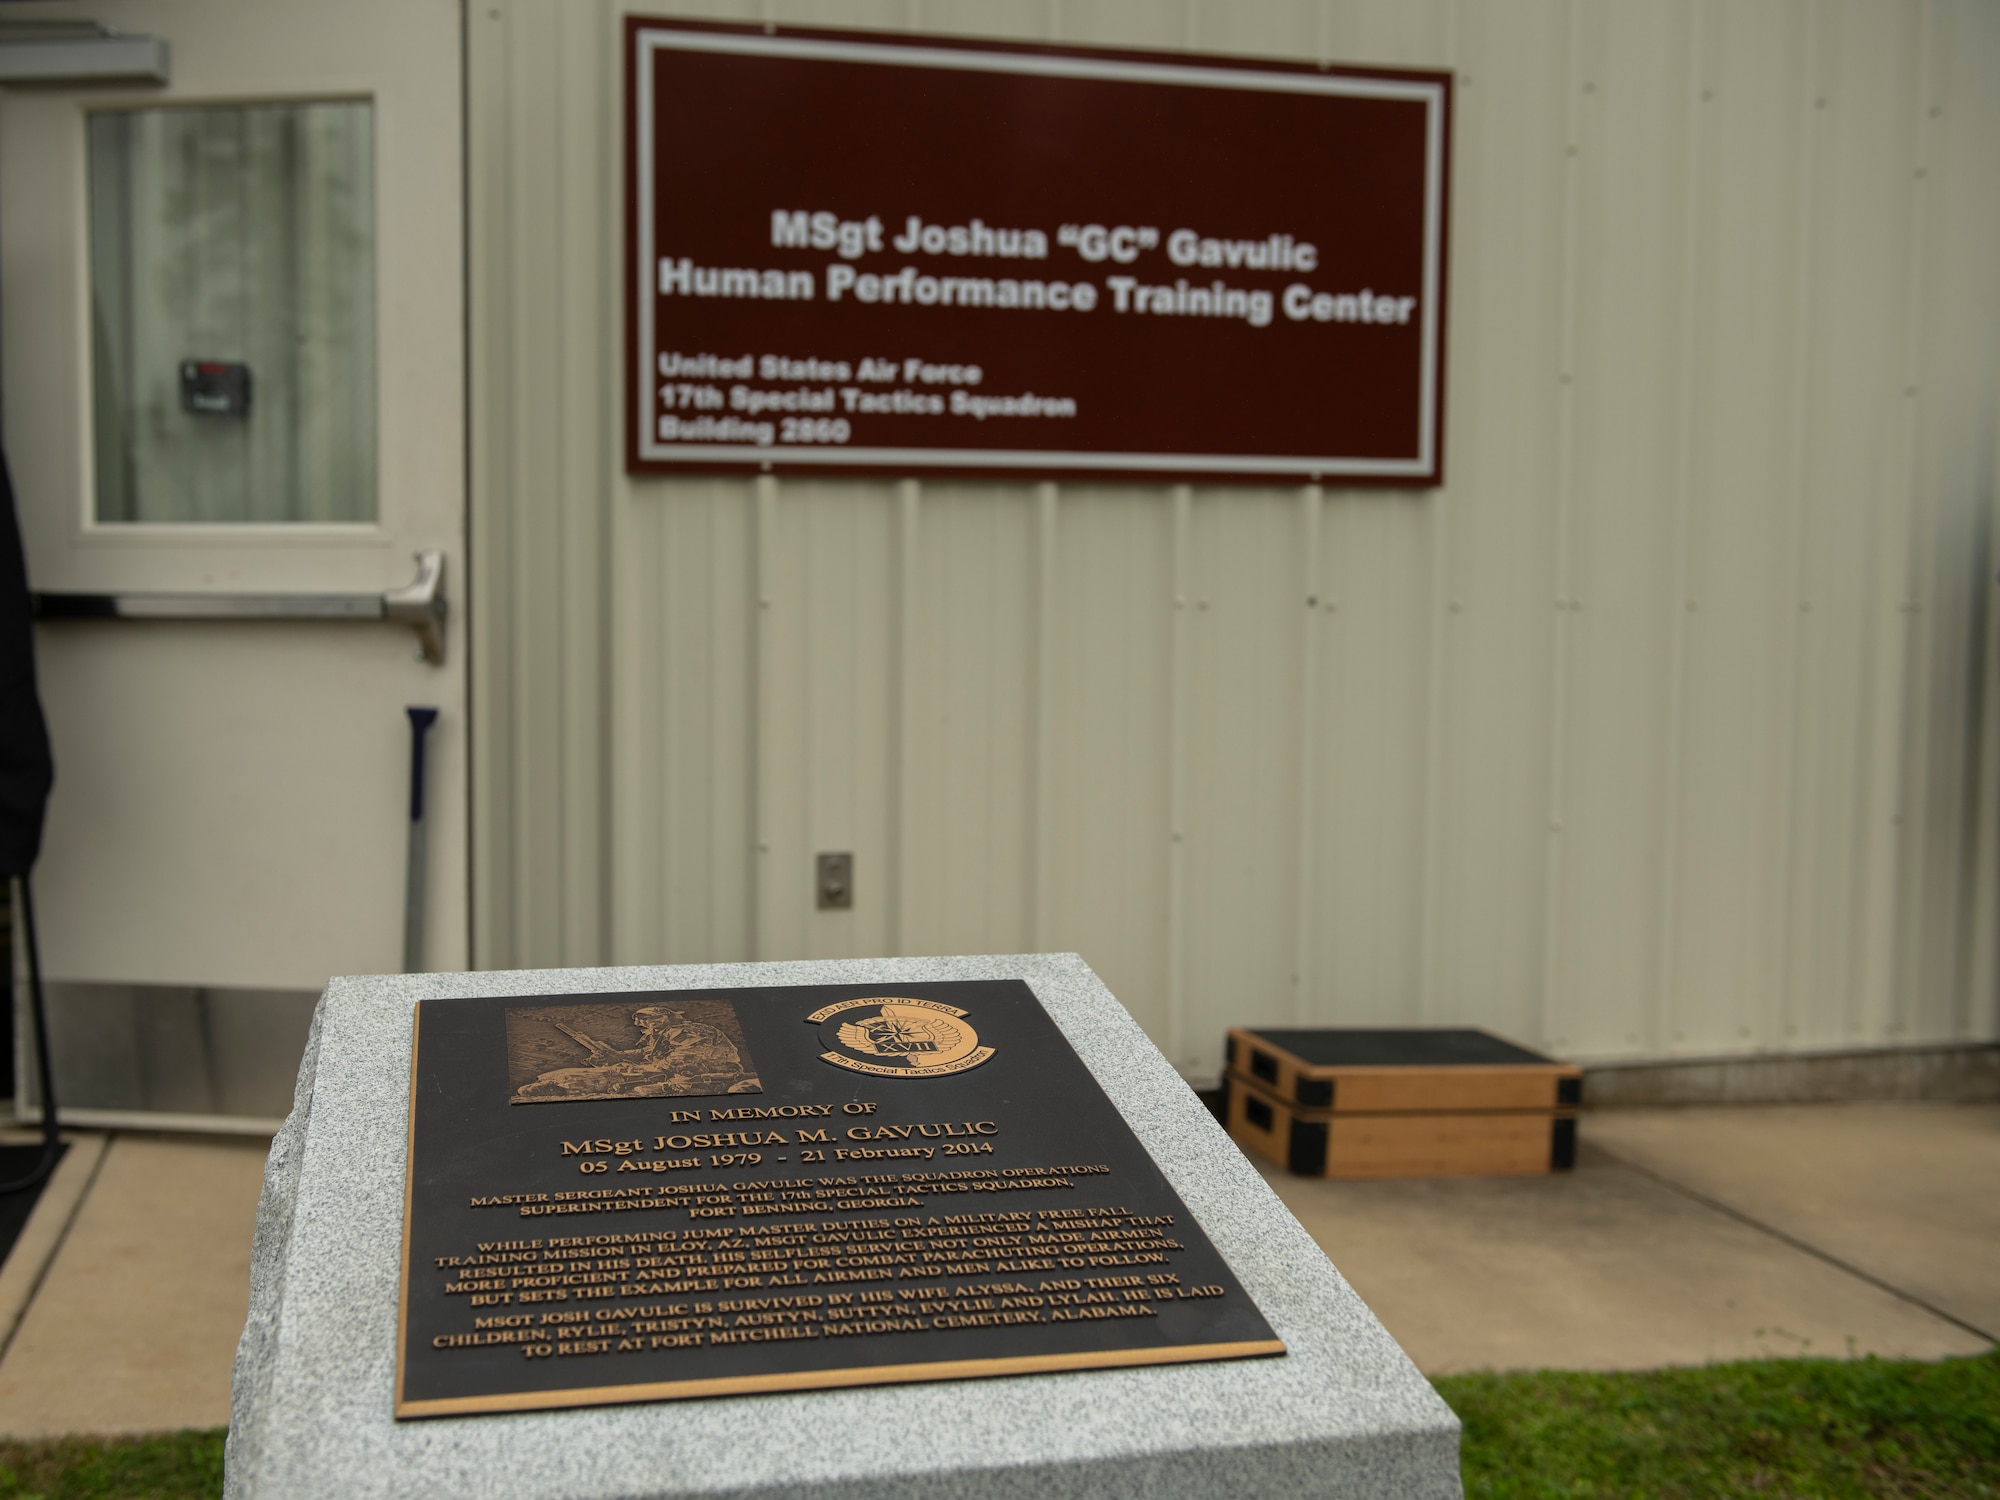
{"points": [[1344, 1413]]}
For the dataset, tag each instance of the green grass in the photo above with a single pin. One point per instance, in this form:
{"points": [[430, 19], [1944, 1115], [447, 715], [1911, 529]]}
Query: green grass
{"points": [[1822, 1428], [173, 1466], [1773, 1429]]}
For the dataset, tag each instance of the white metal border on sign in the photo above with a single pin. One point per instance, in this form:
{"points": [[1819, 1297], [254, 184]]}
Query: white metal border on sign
{"points": [[1430, 94]]}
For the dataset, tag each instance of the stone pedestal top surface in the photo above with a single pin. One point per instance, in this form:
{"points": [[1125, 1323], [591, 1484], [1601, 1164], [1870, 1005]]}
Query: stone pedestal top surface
{"points": [[1343, 1413]]}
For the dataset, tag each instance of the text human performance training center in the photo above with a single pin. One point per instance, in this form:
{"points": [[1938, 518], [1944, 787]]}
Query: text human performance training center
{"points": [[981, 259]]}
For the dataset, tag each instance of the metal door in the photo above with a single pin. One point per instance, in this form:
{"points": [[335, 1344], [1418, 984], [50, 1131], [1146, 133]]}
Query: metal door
{"points": [[231, 307]]}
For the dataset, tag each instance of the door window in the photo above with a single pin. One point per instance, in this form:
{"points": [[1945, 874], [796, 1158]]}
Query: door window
{"points": [[232, 269]]}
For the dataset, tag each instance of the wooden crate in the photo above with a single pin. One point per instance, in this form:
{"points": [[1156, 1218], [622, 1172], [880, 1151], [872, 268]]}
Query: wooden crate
{"points": [[1393, 1071], [1449, 1143]]}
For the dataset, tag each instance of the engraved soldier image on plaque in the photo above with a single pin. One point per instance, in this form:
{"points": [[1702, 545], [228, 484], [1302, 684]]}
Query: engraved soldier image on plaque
{"points": [[558, 1053]]}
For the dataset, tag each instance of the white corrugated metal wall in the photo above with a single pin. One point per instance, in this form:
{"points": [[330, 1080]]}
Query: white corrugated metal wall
{"points": [[1666, 727]]}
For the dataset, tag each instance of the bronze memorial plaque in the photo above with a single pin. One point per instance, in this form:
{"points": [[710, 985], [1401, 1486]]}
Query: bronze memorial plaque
{"points": [[649, 1196]]}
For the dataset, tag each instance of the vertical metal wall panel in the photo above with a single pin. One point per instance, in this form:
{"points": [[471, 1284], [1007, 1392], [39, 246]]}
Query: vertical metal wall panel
{"points": [[1366, 905], [1245, 615], [1628, 139], [1096, 23], [826, 719], [1743, 240], [541, 166], [1666, 727], [683, 639], [1110, 737], [1859, 523], [1396, 35], [1954, 473], [1965, 387], [1370, 911], [1503, 408], [966, 794], [490, 168]]}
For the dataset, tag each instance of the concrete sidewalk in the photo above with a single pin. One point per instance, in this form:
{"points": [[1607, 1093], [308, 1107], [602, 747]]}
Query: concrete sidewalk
{"points": [[1684, 1236], [129, 1322]]}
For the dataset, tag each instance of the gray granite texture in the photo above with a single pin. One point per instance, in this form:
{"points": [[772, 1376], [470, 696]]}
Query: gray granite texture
{"points": [[1344, 1413]]}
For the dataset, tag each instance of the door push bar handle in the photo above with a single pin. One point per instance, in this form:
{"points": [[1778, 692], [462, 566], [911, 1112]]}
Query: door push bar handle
{"points": [[419, 604]]}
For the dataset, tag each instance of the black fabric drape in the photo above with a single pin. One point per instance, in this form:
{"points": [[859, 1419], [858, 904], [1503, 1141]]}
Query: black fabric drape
{"points": [[26, 769]]}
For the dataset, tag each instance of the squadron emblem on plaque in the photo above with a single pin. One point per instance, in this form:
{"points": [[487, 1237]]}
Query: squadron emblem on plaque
{"points": [[652, 1050], [897, 1037]]}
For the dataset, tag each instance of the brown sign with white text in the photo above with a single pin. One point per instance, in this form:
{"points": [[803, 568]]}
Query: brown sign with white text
{"points": [[878, 254]]}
